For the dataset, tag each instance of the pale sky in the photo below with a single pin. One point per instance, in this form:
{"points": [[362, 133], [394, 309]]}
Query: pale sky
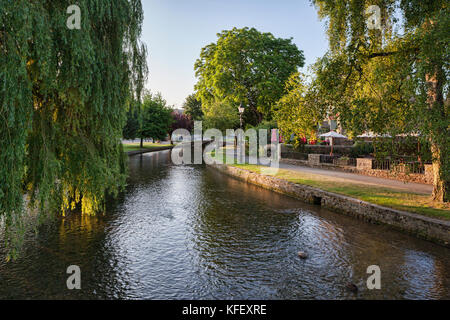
{"points": [[176, 30]]}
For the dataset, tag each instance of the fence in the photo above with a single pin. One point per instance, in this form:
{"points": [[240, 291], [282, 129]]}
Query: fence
{"points": [[399, 166], [345, 162], [379, 164]]}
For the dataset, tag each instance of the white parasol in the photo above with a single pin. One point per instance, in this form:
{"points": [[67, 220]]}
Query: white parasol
{"points": [[332, 135]]}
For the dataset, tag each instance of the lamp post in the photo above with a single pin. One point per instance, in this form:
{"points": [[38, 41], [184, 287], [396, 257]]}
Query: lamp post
{"points": [[241, 111]]}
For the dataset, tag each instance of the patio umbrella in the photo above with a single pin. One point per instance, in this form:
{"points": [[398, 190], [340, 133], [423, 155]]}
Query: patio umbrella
{"points": [[332, 135], [370, 134]]}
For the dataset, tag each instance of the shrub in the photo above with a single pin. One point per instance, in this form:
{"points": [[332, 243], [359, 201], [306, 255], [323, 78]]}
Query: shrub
{"points": [[361, 148], [267, 125]]}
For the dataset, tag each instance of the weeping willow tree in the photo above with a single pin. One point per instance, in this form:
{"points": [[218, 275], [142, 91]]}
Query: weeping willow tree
{"points": [[387, 71], [63, 98]]}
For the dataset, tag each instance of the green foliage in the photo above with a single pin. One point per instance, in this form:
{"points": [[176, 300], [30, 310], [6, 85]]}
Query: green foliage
{"points": [[156, 117], [410, 148], [193, 107], [131, 129], [361, 148], [390, 82], [63, 98], [264, 125], [296, 112], [220, 115], [246, 66]]}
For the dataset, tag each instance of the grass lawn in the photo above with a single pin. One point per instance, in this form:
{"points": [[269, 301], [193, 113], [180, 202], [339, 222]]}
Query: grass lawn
{"points": [[383, 196], [147, 145]]}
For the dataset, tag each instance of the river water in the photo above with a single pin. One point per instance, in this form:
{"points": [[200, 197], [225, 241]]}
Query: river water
{"points": [[189, 232]]}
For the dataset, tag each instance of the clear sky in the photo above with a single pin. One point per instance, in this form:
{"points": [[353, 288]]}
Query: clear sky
{"points": [[176, 30]]}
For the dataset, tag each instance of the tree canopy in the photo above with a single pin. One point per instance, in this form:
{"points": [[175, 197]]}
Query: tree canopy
{"points": [[156, 117], [393, 78], [246, 66], [193, 107], [181, 121], [296, 112], [220, 115], [63, 97]]}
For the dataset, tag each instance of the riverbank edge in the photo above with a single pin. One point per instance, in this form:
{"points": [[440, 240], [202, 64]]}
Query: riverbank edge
{"points": [[437, 231], [147, 150]]}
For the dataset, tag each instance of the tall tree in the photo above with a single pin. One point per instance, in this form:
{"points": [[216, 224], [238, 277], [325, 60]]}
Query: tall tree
{"points": [[156, 118], [246, 66], [297, 112], [193, 107], [181, 121], [379, 79], [63, 97], [220, 115]]}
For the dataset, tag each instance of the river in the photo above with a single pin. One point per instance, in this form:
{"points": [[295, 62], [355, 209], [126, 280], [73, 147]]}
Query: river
{"points": [[189, 232]]}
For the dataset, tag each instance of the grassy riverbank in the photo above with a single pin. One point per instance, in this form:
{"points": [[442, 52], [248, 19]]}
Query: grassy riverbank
{"points": [[383, 196], [147, 145]]}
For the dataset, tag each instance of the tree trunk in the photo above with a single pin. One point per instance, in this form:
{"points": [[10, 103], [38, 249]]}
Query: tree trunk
{"points": [[439, 138], [142, 142], [441, 169]]}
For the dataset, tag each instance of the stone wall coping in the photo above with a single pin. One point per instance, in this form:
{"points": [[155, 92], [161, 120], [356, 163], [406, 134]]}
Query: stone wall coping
{"points": [[147, 150]]}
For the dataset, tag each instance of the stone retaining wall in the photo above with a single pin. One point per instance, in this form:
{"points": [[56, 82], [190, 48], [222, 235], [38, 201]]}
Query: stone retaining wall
{"points": [[401, 176], [364, 166], [423, 227], [314, 159]]}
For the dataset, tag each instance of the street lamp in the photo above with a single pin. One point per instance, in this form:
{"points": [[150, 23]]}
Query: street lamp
{"points": [[241, 111]]}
